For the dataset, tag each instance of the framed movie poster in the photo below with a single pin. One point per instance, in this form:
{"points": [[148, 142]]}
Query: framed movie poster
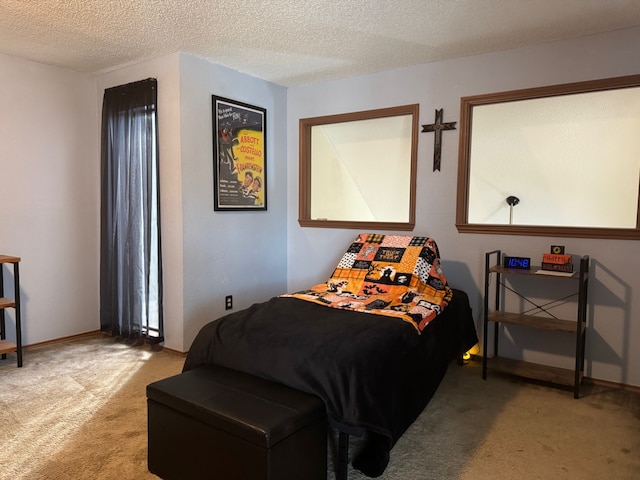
{"points": [[240, 155]]}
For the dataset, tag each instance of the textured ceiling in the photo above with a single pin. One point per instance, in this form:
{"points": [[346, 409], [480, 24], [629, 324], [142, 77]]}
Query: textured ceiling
{"points": [[293, 42]]}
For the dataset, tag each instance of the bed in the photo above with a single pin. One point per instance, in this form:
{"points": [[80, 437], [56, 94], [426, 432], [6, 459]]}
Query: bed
{"points": [[373, 341]]}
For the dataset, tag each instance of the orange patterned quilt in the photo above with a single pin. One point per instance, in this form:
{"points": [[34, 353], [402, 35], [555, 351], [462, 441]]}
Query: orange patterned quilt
{"points": [[394, 275]]}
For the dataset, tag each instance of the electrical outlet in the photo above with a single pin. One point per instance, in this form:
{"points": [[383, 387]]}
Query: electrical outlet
{"points": [[228, 302]]}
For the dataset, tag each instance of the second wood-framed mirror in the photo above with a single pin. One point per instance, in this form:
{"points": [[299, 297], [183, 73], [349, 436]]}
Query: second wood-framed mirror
{"points": [[561, 160]]}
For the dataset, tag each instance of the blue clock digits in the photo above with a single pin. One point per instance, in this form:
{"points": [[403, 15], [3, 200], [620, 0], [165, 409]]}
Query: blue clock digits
{"points": [[517, 262]]}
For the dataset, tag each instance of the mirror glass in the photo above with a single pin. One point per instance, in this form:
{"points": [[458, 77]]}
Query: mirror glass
{"points": [[561, 161], [357, 170]]}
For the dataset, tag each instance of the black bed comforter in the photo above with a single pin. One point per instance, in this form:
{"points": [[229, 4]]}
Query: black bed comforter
{"points": [[374, 373]]}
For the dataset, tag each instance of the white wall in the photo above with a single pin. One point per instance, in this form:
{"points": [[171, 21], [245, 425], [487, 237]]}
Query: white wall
{"points": [[244, 253], [50, 200], [49, 206], [614, 318]]}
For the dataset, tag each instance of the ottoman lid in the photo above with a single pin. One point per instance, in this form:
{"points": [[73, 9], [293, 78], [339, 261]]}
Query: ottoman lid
{"points": [[240, 404]]}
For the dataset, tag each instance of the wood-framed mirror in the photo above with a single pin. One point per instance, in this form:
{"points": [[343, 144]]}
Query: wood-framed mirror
{"points": [[560, 160], [358, 170]]}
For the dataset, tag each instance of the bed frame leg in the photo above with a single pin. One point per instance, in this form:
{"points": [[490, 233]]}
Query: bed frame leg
{"points": [[343, 456]]}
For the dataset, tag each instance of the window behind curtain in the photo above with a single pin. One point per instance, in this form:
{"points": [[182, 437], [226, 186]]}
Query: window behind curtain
{"points": [[130, 247]]}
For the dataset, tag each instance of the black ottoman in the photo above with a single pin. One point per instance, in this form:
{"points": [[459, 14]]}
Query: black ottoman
{"points": [[217, 423]]}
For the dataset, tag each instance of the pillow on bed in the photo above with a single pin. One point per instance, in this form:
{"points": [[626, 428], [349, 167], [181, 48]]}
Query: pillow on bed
{"points": [[393, 275]]}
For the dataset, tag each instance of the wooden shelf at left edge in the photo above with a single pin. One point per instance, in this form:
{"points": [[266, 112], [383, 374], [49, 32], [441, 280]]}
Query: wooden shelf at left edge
{"points": [[8, 259], [7, 347]]}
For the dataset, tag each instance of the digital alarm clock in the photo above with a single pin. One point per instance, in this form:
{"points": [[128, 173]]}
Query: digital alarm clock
{"points": [[519, 263]]}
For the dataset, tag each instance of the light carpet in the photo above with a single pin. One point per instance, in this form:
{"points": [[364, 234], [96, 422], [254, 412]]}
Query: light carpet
{"points": [[77, 410]]}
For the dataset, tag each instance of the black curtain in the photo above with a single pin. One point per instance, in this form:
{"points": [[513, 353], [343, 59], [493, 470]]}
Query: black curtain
{"points": [[130, 247]]}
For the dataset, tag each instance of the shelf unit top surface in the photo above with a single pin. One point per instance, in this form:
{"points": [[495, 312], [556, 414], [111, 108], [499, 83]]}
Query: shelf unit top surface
{"points": [[533, 271]]}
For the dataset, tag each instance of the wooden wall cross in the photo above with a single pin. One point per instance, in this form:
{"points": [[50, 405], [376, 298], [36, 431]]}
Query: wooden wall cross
{"points": [[438, 126]]}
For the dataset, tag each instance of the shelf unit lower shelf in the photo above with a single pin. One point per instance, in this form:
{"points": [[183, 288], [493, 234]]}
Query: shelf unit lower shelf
{"points": [[7, 347], [533, 371], [535, 321]]}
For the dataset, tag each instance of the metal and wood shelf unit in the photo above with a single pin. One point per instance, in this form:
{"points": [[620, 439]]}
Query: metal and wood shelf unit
{"points": [[578, 327], [7, 346]]}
